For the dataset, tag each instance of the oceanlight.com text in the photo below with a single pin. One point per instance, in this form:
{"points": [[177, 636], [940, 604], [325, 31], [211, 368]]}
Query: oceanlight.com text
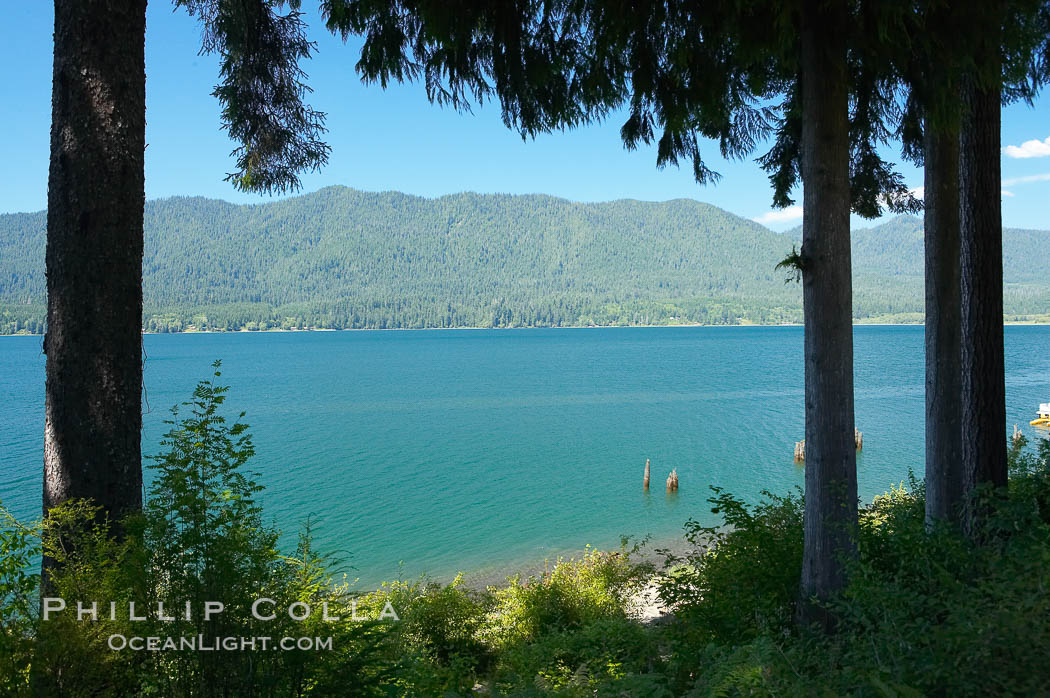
{"points": [[200, 643]]}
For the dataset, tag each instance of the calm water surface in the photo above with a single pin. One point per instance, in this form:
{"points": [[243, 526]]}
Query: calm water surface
{"points": [[440, 451]]}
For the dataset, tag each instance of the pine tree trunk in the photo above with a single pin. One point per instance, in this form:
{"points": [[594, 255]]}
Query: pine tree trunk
{"points": [[94, 256], [944, 475], [831, 457], [983, 377]]}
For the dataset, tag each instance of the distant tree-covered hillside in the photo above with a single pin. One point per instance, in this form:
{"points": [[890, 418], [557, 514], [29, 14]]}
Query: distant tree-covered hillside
{"points": [[340, 258]]}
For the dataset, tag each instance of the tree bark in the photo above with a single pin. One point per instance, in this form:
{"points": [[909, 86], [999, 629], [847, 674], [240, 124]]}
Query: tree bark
{"points": [[827, 296], [944, 474], [95, 200], [980, 212]]}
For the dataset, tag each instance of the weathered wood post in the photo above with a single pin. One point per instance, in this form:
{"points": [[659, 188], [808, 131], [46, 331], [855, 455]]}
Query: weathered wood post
{"points": [[672, 481], [645, 482], [800, 446]]}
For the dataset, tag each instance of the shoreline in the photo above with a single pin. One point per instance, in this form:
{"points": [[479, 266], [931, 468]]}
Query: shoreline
{"points": [[498, 574], [1006, 323], [644, 604]]}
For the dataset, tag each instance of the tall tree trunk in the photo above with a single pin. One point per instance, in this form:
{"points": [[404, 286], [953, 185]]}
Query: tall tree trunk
{"points": [[983, 377], [94, 256], [944, 473], [831, 457]]}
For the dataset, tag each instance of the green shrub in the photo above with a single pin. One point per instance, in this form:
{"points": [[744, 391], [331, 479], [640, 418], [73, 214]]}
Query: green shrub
{"points": [[608, 656], [573, 594], [936, 612], [742, 578], [926, 612], [1030, 476], [521, 636], [436, 645], [200, 538], [19, 546], [445, 621]]}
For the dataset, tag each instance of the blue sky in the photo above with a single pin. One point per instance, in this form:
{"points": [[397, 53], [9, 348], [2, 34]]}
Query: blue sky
{"points": [[396, 140]]}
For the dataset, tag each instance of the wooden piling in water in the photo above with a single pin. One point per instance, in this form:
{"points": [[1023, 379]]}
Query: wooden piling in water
{"points": [[672, 481], [645, 482], [800, 446], [1016, 436]]}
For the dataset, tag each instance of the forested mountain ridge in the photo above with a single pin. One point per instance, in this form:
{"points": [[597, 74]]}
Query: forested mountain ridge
{"points": [[343, 258]]}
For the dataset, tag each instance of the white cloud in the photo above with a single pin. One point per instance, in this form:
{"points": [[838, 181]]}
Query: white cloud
{"points": [[1007, 193], [1029, 149], [1029, 178], [783, 215], [918, 192]]}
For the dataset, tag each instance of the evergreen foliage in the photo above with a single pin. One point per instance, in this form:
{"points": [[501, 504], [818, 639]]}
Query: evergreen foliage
{"points": [[261, 90]]}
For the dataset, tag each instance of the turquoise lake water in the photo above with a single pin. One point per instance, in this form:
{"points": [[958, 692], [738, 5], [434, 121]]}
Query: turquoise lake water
{"points": [[438, 451]]}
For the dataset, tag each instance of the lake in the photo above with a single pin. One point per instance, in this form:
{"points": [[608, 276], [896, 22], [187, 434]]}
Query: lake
{"points": [[438, 451]]}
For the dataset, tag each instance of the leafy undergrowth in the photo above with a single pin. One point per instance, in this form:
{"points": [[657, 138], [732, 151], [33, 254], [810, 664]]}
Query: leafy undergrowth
{"points": [[926, 611]]}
